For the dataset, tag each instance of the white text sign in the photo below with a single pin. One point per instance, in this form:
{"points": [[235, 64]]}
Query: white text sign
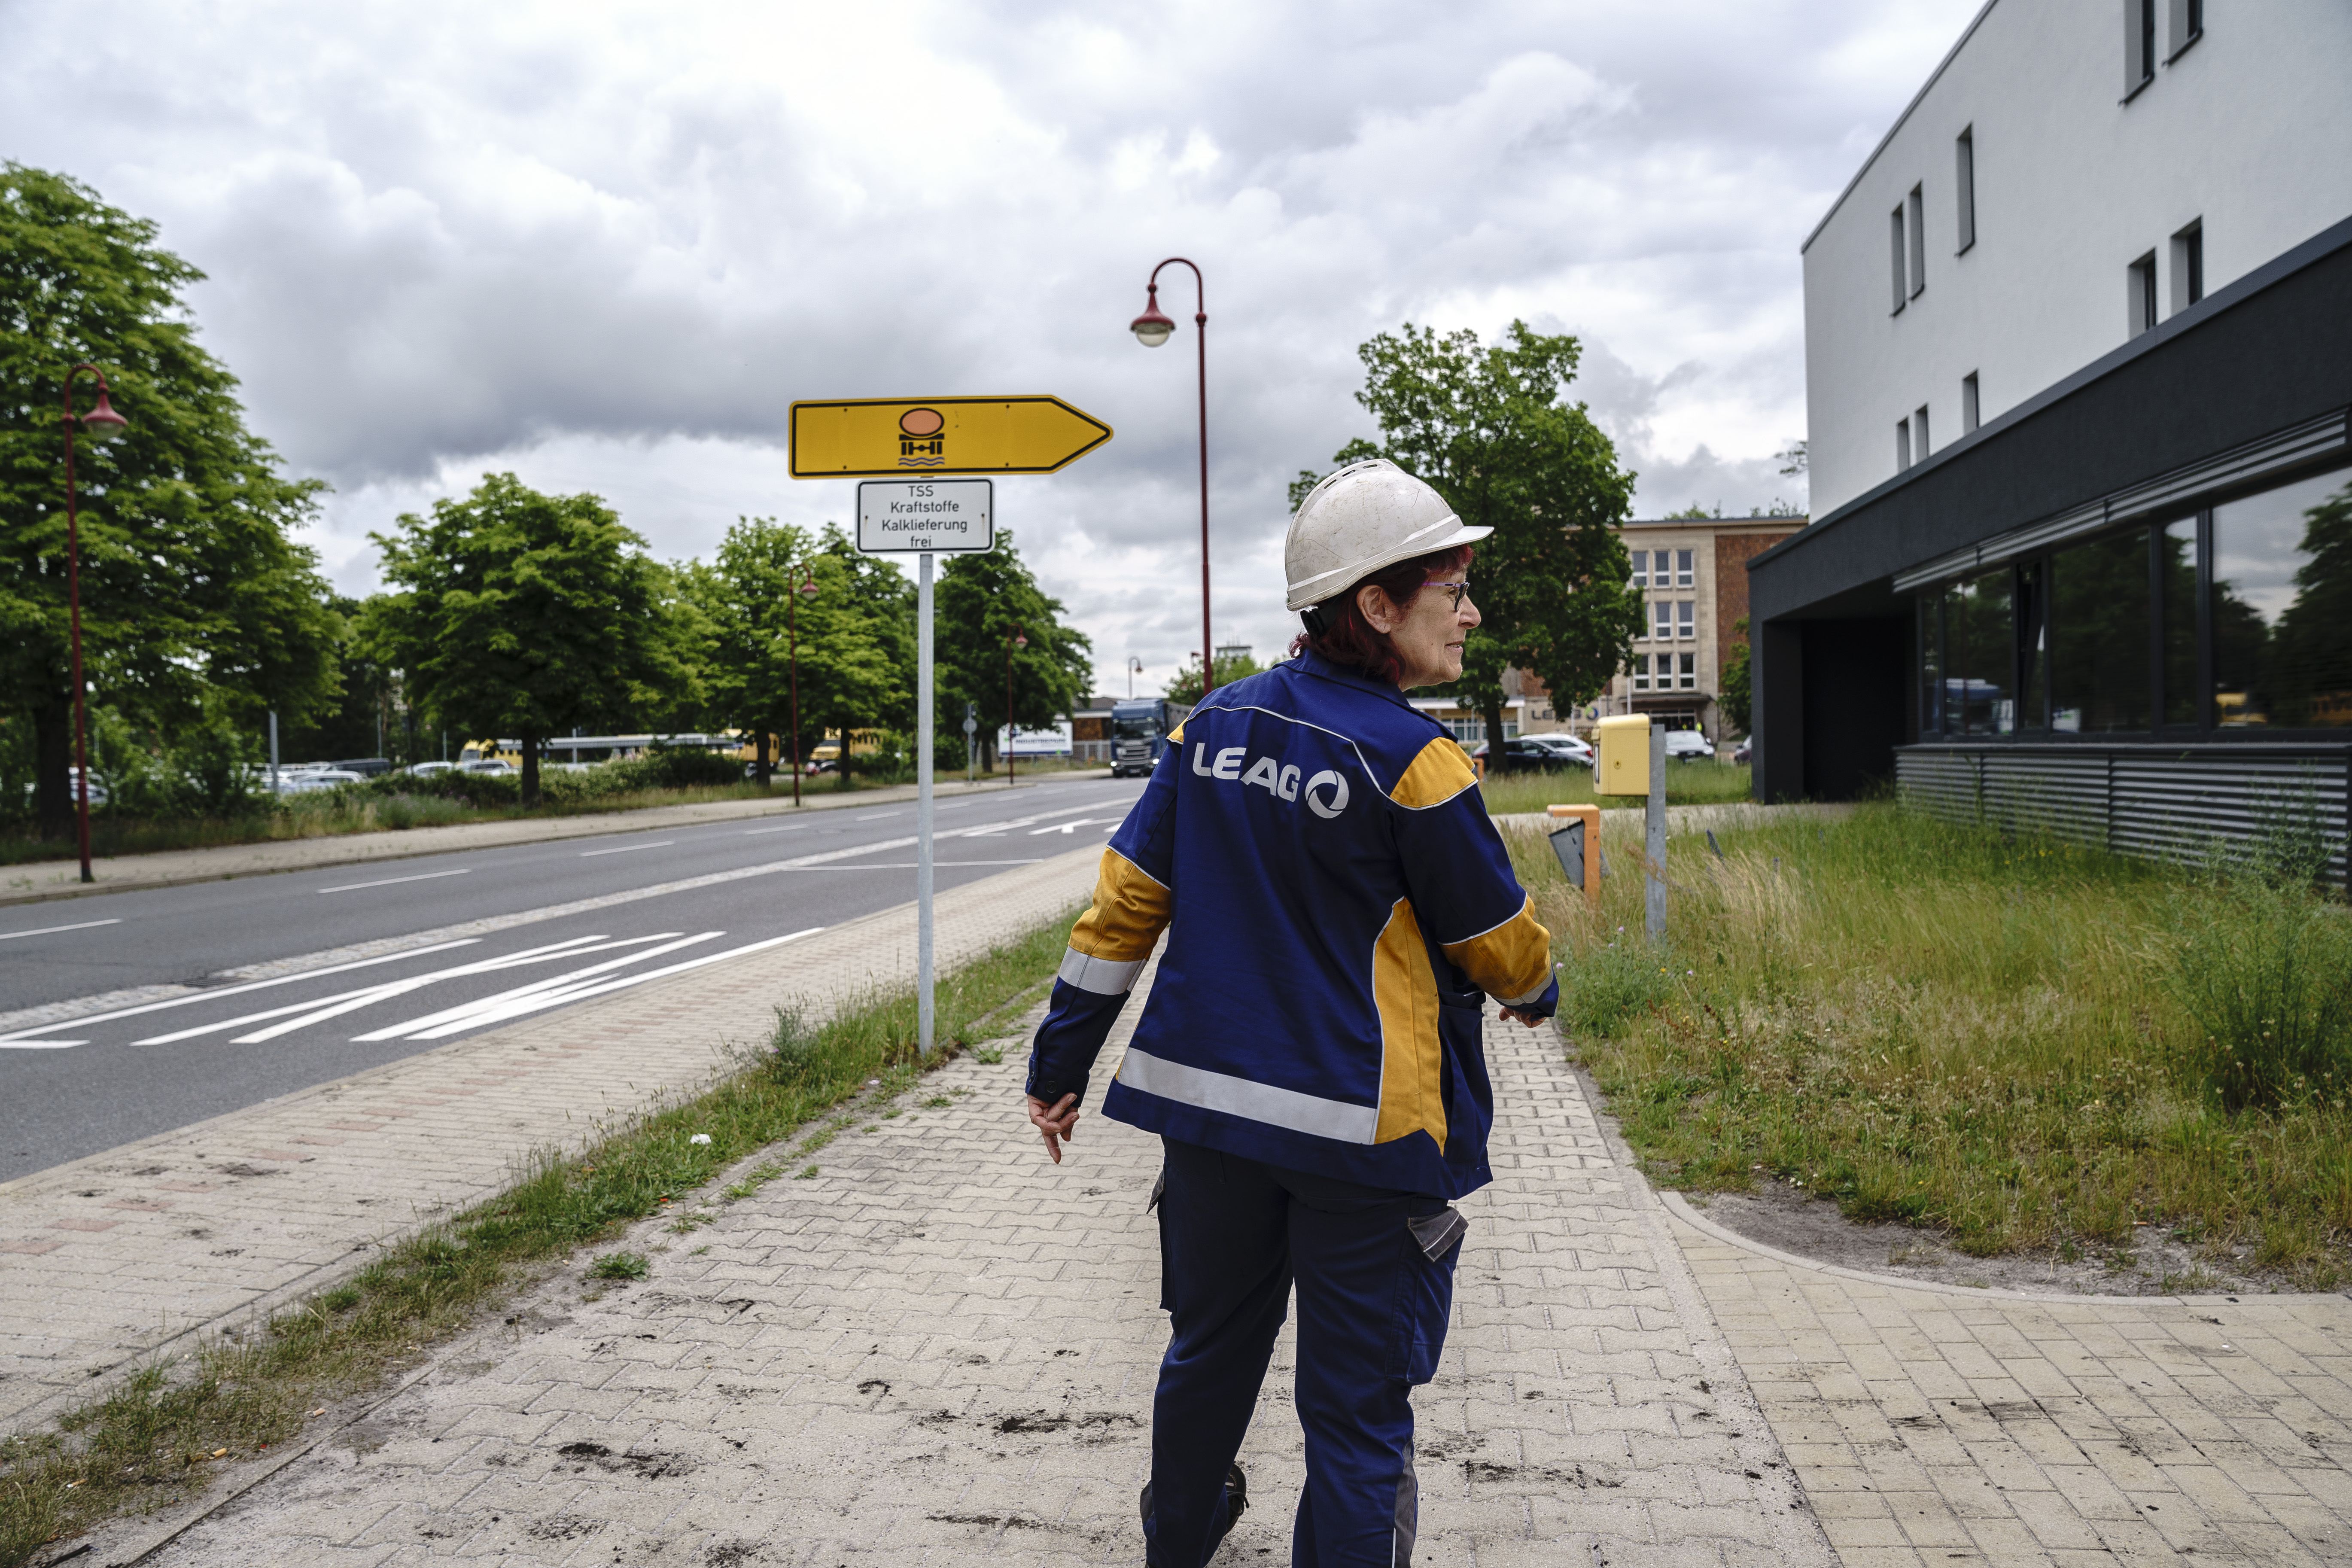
{"points": [[926, 515]]}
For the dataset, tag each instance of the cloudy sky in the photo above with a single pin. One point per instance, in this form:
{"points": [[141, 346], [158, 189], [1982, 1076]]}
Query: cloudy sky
{"points": [[606, 245]]}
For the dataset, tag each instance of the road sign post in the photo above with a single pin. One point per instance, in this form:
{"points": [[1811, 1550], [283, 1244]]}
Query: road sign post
{"points": [[902, 450]]}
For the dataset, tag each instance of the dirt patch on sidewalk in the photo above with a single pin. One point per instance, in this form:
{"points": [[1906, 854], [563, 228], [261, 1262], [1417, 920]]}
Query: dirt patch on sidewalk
{"points": [[2156, 1262]]}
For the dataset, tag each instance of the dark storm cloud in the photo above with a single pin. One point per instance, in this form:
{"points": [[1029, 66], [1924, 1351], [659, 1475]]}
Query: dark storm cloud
{"points": [[608, 247]]}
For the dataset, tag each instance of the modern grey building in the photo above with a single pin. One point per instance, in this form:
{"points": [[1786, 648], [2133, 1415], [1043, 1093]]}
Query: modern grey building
{"points": [[2079, 361]]}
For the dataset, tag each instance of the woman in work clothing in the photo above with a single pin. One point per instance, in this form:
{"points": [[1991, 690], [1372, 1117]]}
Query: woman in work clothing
{"points": [[1336, 901]]}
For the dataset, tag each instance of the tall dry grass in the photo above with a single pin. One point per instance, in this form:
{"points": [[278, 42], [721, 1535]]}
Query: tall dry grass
{"points": [[1993, 1035]]}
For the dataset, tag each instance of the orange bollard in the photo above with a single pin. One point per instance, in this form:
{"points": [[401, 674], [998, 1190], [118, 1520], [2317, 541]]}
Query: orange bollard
{"points": [[1576, 842]]}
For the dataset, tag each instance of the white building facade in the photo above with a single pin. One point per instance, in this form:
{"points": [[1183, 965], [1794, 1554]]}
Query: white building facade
{"points": [[2079, 360]]}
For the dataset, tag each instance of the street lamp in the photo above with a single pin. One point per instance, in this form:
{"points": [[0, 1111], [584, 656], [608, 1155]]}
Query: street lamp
{"points": [[1134, 668], [1019, 639], [1152, 329], [805, 589], [100, 423]]}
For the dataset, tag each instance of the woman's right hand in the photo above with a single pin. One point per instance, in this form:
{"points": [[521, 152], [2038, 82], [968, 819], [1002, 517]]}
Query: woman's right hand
{"points": [[1055, 1124]]}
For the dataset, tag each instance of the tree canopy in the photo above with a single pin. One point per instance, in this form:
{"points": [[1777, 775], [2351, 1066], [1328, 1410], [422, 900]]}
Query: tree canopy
{"points": [[981, 603], [1490, 428], [193, 591], [520, 614]]}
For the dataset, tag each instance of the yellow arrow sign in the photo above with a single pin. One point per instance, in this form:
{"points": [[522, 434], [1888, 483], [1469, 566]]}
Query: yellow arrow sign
{"points": [[873, 437]]}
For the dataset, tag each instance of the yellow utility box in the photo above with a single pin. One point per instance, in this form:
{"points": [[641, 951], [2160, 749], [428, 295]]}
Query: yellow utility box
{"points": [[1623, 764]]}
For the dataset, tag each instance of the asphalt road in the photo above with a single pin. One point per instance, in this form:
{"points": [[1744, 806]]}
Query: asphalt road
{"points": [[131, 1013]]}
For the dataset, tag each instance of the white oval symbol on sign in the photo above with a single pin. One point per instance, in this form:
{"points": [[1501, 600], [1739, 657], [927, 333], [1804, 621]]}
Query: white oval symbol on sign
{"points": [[1339, 794]]}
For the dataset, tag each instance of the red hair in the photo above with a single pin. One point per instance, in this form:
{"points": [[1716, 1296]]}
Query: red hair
{"points": [[1352, 642]]}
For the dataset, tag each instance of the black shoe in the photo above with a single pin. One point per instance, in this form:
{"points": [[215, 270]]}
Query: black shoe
{"points": [[1236, 1500]]}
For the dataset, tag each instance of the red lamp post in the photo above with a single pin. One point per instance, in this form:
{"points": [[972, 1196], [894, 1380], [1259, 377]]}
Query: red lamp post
{"points": [[100, 423], [804, 589], [1152, 329], [1019, 639]]}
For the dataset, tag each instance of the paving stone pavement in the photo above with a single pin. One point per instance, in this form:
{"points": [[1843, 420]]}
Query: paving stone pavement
{"points": [[1930, 1425], [125, 1255], [941, 1347]]}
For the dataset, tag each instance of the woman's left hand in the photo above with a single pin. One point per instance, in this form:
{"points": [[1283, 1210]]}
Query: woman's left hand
{"points": [[1055, 1123], [1529, 1019]]}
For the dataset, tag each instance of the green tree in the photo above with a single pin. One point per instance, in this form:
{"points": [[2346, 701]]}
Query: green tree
{"points": [[520, 614], [1231, 667], [195, 599], [1735, 696], [981, 601], [1491, 430], [751, 619]]}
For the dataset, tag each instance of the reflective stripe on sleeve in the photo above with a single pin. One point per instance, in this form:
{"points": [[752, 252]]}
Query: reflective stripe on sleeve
{"points": [[1333, 1119], [1104, 976]]}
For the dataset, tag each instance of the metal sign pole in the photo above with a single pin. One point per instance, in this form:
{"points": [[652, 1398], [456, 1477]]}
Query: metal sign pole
{"points": [[1653, 888], [923, 801]]}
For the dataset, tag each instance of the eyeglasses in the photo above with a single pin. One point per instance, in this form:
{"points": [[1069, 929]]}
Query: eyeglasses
{"points": [[1461, 591]]}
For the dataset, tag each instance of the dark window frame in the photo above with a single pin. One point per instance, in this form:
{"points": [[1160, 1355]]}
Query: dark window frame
{"points": [[1964, 183]]}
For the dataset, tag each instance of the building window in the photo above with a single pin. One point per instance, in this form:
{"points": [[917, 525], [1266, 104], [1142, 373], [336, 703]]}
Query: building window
{"points": [[1687, 675], [2188, 26], [1664, 620], [1685, 617], [1914, 208], [1641, 568], [1931, 664], [2188, 266], [2281, 581], [2176, 607], [2139, 45], [1964, 180], [2141, 297], [2098, 636], [1979, 658], [1642, 671], [1971, 415], [1901, 292], [1919, 432], [1902, 445], [1683, 568]]}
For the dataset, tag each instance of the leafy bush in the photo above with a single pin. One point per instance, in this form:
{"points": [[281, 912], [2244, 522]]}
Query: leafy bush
{"points": [[2264, 973]]}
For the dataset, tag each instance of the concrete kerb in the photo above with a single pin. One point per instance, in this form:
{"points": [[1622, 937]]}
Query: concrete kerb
{"points": [[274, 856]]}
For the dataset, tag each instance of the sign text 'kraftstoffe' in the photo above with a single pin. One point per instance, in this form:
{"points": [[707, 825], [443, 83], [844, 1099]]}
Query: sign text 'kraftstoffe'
{"points": [[944, 516]]}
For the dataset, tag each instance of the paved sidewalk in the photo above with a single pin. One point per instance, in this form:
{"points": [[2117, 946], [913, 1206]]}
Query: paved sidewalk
{"points": [[47, 879], [1940, 1424], [940, 1348], [114, 1258]]}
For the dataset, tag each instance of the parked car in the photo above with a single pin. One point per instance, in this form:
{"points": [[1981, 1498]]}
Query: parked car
{"points": [[1520, 754], [306, 781], [1744, 752], [488, 765], [1688, 744], [1575, 748], [427, 770]]}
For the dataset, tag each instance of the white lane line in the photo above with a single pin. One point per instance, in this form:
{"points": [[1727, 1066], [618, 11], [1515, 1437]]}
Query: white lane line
{"points": [[625, 848], [877, 816], [1074, 826], [910, 865], [755, 832], [328, 1006], [49, 931], [515, 1004], [466, 1014], [22, 1037], [388, 881]]}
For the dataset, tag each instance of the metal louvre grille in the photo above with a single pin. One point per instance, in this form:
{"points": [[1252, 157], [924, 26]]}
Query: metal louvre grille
{"points": [[2171, 803]]}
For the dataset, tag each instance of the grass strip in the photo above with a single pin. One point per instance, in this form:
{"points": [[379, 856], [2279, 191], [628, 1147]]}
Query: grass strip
{"points": [[2026, 1044], [159, 1438]]}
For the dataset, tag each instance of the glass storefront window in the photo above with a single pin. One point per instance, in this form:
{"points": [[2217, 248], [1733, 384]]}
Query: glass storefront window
{"points": [[2098, 636], [2282, 607], [1931, 664], [2032, 650], [2176, 568], [1979, 657]]}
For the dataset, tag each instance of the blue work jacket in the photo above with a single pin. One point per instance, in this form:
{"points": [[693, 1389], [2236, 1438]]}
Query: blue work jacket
{"points": [[1336, 899]]}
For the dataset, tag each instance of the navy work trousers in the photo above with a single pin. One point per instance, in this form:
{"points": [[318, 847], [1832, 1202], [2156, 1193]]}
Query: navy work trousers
{"points": [[1234, 1235]]}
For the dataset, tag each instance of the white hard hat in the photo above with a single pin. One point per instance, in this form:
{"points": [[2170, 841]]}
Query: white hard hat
{"points": [[1366, 516]]}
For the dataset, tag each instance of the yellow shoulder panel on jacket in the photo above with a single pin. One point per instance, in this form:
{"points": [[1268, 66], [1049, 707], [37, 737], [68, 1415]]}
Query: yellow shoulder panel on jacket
{"points": [[1176, 736], [1129, 912], [1437, 775]]}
